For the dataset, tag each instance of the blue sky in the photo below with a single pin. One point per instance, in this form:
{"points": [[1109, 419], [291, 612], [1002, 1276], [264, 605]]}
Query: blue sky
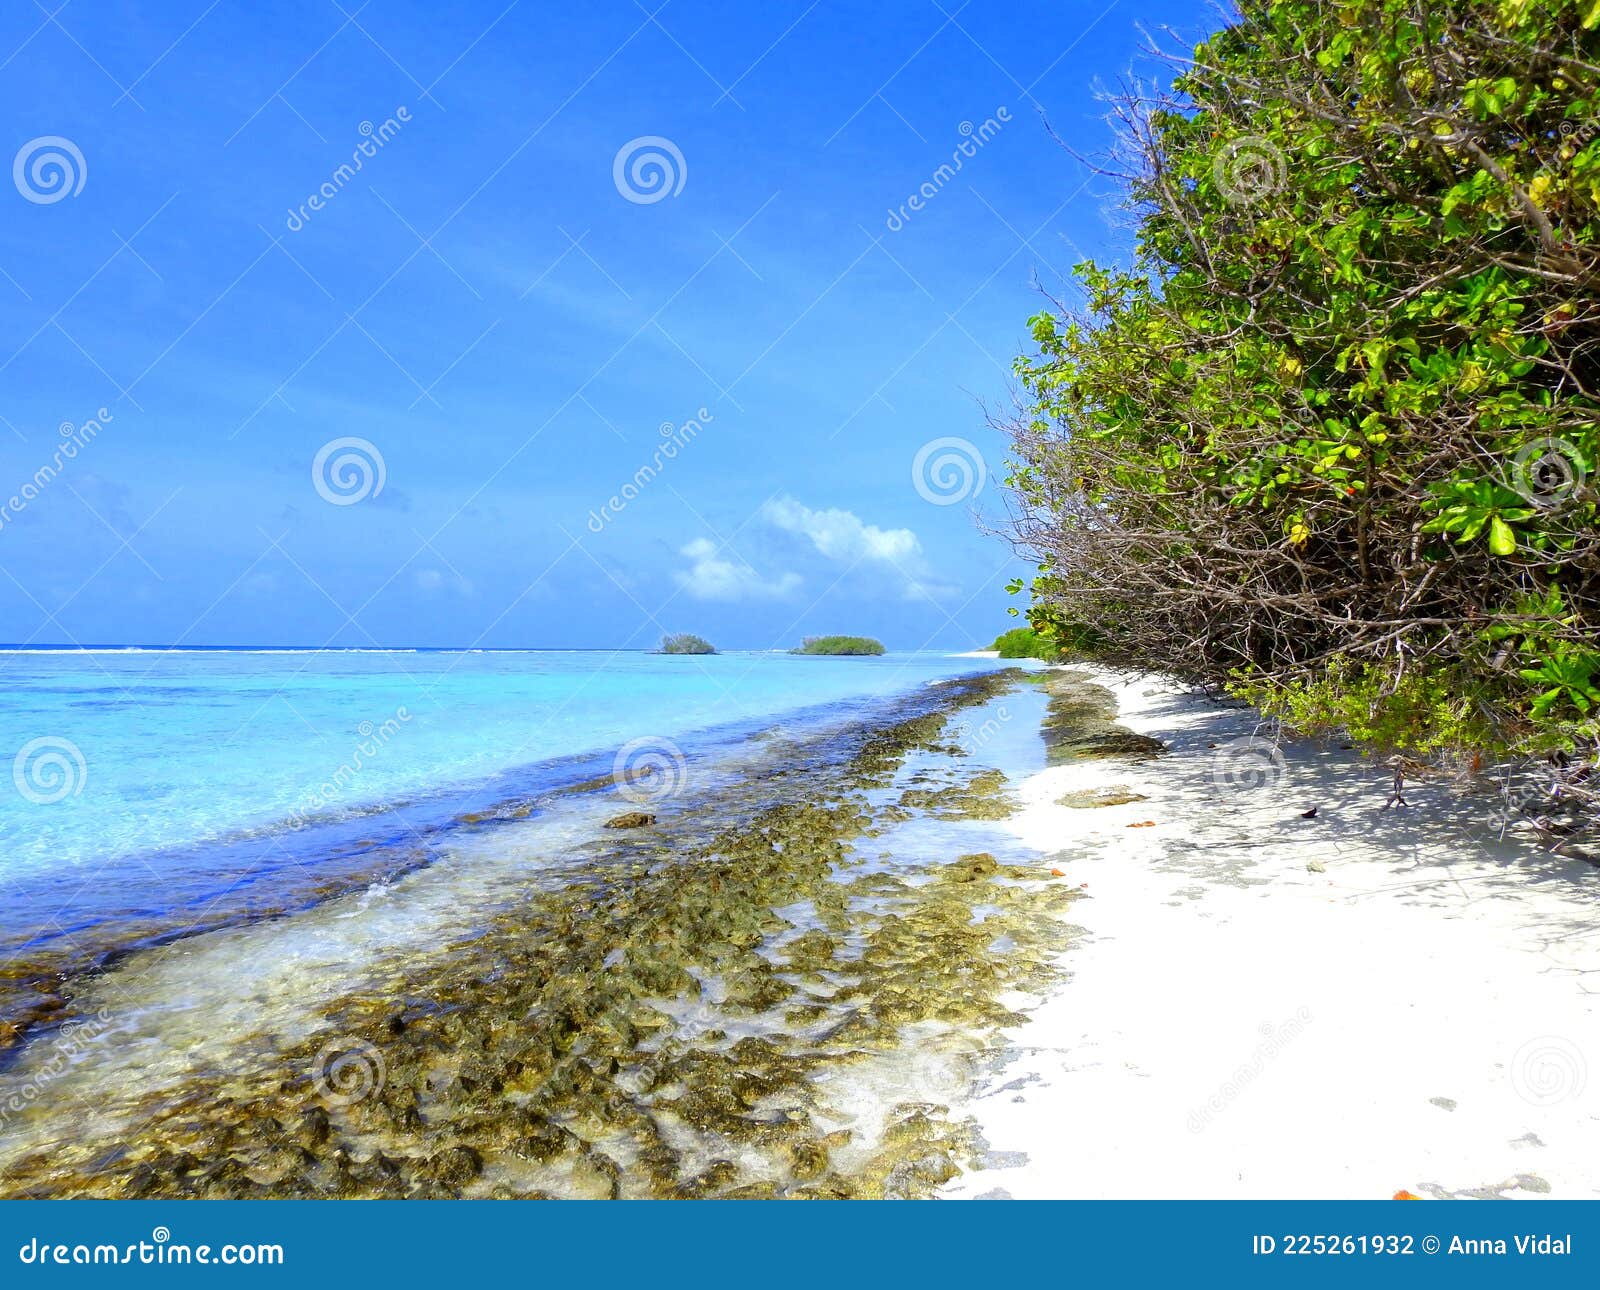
{"points": [[506, 323]]}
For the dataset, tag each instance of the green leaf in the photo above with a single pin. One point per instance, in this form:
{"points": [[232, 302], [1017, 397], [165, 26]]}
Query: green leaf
{"points": [[1502, 541]]}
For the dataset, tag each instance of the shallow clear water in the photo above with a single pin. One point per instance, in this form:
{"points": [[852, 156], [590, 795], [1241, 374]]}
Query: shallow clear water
{"points": [[158, 1025], [148, 751]]}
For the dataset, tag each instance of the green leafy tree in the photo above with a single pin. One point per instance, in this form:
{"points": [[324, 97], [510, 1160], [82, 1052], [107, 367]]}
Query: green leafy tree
{"points": [[839, 645], [1330, 440], [686, 643]]}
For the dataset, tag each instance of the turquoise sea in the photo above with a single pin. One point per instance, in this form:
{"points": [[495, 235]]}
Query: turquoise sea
{"points": [[144, 781]]}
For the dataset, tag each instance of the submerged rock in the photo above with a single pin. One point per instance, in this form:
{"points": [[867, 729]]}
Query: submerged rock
{"points": [[1111, 795], [647, 1021]]}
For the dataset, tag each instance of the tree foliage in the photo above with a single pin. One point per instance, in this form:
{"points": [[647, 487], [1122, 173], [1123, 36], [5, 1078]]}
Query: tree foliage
{"points": [[1331, 440], [839, 645], [1027, 642], [686, 643]]}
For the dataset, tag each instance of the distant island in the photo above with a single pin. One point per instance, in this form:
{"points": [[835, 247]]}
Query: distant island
{"points": [[839, 645], [686, 643]]}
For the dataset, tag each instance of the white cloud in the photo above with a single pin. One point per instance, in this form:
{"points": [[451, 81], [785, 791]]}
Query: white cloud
{"points": [[710, 577], [843, 536], [432, 580]]}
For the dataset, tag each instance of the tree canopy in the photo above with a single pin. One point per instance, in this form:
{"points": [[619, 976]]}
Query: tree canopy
{"points": [[1329, 440]]}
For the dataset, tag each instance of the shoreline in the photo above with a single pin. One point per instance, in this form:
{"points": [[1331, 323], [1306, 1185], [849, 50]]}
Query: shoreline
{"points": [[1060, 934], [1270, 1006], [296, 864], [772, 988]]}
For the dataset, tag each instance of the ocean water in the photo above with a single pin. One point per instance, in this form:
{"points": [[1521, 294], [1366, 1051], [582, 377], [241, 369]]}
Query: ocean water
{"points": [[121, 759]]}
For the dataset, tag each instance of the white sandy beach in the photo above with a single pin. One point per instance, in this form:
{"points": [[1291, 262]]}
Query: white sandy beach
{"points": [[1422, 1014]]}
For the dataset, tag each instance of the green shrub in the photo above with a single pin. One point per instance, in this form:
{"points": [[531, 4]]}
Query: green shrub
{"points": [[1025, 642], [839, 645], [686, 643], [1331, 439]]}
